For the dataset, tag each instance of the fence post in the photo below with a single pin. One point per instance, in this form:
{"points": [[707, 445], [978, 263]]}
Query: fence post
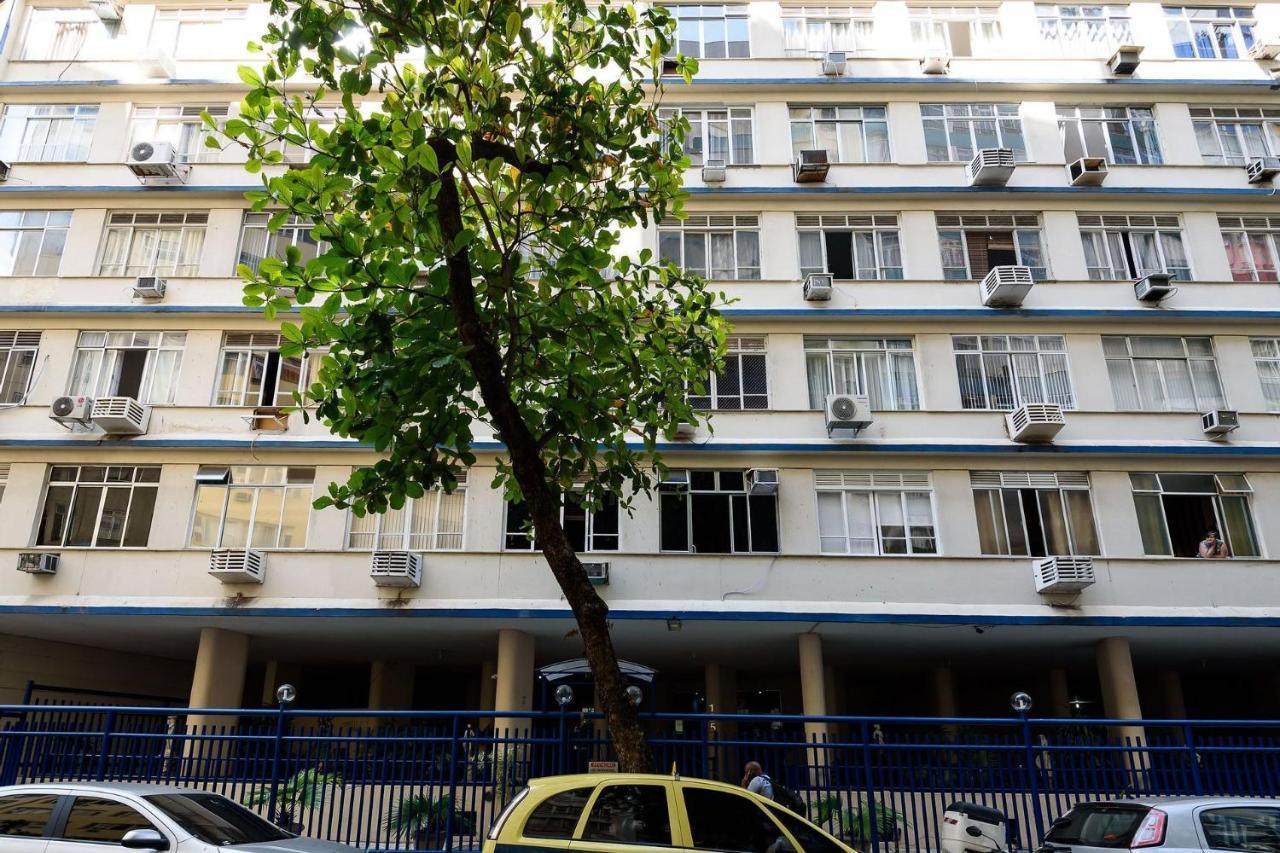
{"points": [[563, 745], [1193, 760], [869, 785], [276, 747], [12, 745], [1033, 783], [452, 798], [104, 747]]}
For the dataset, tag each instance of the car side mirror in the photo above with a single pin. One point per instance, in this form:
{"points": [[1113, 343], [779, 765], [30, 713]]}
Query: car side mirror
{"points": [[144, 839]]}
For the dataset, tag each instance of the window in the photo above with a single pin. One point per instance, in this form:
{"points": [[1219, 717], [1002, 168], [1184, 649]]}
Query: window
{"points": [[847, 134], [850, 247], [31, 241], [810, 839], [98, 506], [1163, 374], [744, 381], [1176, 510], [1002, 372], [180, 126], [153, 243], [1080, 30], [1034, 514], [1233, 136], [47, 132], [25, 815], [253, 373], [433, 522], [251, 506], [318, 116], [1252, 244], [956, 132], [557, 816], [719, 820], [1123, 248], [816, 30], [882, 369], [588, 530], [722, 133], [1266, 355], [955, 30], [712, 32], [1123, 136], [710, 512], [200, 33], [973, 243], [1105, 825], [1248, 829], [102, 821], [716, 247], [215, 820], [142, 365], [875, 512], [630, 814], [4, 481], [17, 362], [65, 35], [1210, 32], [257, 242]]}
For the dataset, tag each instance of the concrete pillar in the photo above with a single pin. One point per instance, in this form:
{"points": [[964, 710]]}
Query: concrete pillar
{"points": [[1059, 693], [813, 686], [1119, 687], [945, 702], [721, 688], [488, 688], [513, 689], [1175, 702], [391, 685], [218, 682]]}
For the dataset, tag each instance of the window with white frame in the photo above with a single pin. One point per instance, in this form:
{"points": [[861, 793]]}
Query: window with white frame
{"points": [[956, 30], [143, 365], [853, 246], [743, 383], [1119, 247], [251, 506], [65, 35], [18, 350], [715, 133], [47, 133], [1123, 136], [1232, 136], [716, 247], [153, 243], [319, 117], [433, 522], [1176, 510], [875, 512], [98, 506], [1002, 372], [1210, 32], [973, 243], [1152, 373], [882, 369], [1081, 30], [1253, 245], [953, 133], [179, 125], [252, 372], [1034, 513], [712, 31], [1266, 355], [32, 241], [4, 479], [200, 33], [856, 134], [710, 512], [817, 30], [588, 529], [258, 242]]}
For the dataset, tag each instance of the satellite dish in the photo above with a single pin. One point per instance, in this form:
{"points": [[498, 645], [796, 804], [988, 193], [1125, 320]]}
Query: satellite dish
{"points": [[142, 151]]}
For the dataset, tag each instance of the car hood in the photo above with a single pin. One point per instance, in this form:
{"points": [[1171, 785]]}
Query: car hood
{"points": [[293, 845]]}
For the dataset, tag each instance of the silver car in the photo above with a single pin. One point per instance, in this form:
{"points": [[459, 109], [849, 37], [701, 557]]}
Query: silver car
{"points": [[1195, 825], [78, 817]]}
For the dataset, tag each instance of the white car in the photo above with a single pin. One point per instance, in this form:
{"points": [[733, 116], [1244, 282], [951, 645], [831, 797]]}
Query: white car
{"points": [[78, 817]]}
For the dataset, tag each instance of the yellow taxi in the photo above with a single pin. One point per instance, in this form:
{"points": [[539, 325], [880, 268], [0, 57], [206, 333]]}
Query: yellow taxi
{"points": [[635, 813]]}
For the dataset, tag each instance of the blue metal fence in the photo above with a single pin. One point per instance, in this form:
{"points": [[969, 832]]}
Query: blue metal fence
{"points": [[880, 783]]}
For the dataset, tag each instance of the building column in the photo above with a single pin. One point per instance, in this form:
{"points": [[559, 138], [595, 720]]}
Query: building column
{"points": [[391, 685], [218, 682], [1120, 688], [1175, 701], [813, 684], [513, 688], [488, 691], [722, 698], [945, 701], [1059, 693]]}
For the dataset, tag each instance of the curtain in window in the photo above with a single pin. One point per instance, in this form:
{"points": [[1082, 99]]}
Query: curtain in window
{"points": [[1175, 256], [1269, 374], [1057, 379], [920, 523], [819, 374], [811, 252], [831, 523], [1238, 255], [1264, 259], [162, 381], [1208, 388]]}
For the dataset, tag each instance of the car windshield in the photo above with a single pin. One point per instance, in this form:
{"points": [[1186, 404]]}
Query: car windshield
{"points": [[1098, 825], [214, 819]]}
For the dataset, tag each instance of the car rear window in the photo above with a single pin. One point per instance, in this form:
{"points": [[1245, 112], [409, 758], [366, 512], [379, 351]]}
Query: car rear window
{"points": [[557, 815], [1098, 825]]}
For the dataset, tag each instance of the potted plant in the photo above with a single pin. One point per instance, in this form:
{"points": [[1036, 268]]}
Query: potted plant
{"points": [[303, 790], [420, 817]]}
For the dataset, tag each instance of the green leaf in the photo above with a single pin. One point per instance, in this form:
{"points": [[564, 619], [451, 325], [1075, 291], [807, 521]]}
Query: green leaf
{"points": [[513, 27]]}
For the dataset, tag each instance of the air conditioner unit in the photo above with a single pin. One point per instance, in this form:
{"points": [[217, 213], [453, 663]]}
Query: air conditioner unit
{"points": [[268, 419], [156, 162], [833, 64], [670, 66], [818, 286], [1063, 574], [1265, 50], [1154, 287], [157, 64], [762, 481], [686, 432], [149, 287], [1006, 286], [120, 415], [1220, 421], [1088, 172], [1035, 422], [238, 565], [811, 166], [1262, 169], [991, 167], [713, 172], [1125, 60], [71, 410], [845, 411], [34, 563], [935, 64], [597, 573], [4, 171], [396, 568], [107, 10]]}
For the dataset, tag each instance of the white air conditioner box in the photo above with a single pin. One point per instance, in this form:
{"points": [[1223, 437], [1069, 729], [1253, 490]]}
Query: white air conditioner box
{"points": [[818, 286], [1088, 172], [1262, 169], [1154, 287], [109, 11], [846, 411], [670, 66], [35, 563], [686, 432], [71, 410], [1006, 286], [991, 167], [597, 573], [1035, 422], [713, 172], [1125, 60], [1265, 50], [120, 415], [396, 568], [1063, 574], [156, 162], [811, 166], [762, 481], [833, 64], [149, 287], [238, 565], [157, 64], [1220, 421], [5, 168], [935, 64]]}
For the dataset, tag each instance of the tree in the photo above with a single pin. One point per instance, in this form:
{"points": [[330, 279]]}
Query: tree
{"points": [[475, 281]]}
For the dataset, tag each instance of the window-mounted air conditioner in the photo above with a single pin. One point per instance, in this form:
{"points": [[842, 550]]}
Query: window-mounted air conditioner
{"points": [[811, 166], [71, 410], [818, 286], [120, 415], [156, 163], [762, 481], [685, 431], [1153, 287], [1088, 172], [1006, 286], [35, 563], [1125, 60], [4, 171], [847, 412], [1035, 422], [597, 573], [713, 172], [109, 11], [238, 565], [1063, 574], [149, 287], [670, 66], [1220, 421], [1262, 169], [157, 64], [396, 568], [268, 419], [991, 167], [1265, 50], [938, 64], [833, 64]]}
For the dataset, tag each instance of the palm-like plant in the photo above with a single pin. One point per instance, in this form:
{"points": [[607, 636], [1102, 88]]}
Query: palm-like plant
{"points": [[854, 824], [303, 790], [420, 816]]}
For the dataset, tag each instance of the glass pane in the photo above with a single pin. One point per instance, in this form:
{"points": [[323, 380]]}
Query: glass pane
{"points": [[297, 513], [84, 516], [1155, 536]]}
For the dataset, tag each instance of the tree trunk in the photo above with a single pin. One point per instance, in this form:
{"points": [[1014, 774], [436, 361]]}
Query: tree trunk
{"points": [[589, 610]]}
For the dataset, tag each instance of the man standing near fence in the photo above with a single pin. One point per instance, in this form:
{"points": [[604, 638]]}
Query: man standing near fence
{"points": [[755, 780]]}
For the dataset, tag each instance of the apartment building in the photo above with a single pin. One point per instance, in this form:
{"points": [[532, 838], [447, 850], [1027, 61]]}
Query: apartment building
{"points": [[1006, 346]]}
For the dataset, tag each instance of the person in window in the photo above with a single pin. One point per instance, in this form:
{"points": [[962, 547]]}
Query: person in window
{"points": [[755, 780], [1212, 547]]}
